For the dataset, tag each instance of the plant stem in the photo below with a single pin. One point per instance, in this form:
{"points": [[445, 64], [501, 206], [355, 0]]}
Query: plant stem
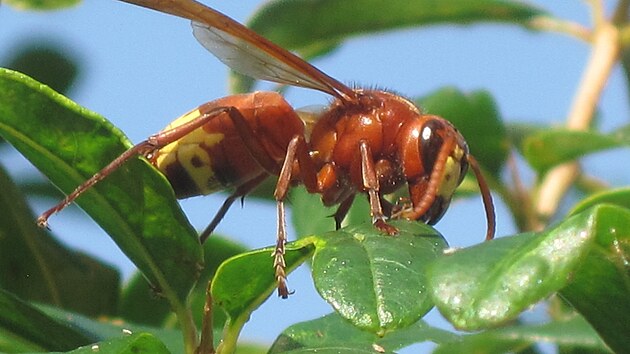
{"points": [[597, 11], [206, 346], [518, 198], [188, 329], [604, 55]]}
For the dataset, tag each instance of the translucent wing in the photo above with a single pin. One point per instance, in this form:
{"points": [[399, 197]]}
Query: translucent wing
{"points": [[247, 52], [246, 59]]}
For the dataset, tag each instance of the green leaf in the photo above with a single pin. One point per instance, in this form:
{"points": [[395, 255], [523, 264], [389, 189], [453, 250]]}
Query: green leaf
{"points": [[137, 343], [375, 281], [140, 304], [574, 333], [105, 328], [600, 289], [25, 328], [135, 205], [518, 132], [251, 348], [301, 24], [551, 147], [476, 116], [37, 186], [330, 331], [333, 332], [244, 281], [36, 267], [490, 284], [47, 62], [618, 196], [41, 4], [316, 27], [309, 215]]}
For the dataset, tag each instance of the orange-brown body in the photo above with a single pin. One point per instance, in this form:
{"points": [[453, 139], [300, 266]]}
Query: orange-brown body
{"points": [[217, 155], [225, 162]]}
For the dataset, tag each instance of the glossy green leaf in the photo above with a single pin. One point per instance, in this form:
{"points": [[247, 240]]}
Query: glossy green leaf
{"points": [[619, 197], [332, 331], [476, 116], [574, 333], [376, 281], [36, 267], [492, 283], [41, 4], [549, 148], [600, 289], [135, 205], [244, 281], [25, 328], [137, 343], [316, 27]]}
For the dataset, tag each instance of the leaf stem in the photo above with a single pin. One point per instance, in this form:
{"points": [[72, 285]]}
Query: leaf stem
{"points": [[604, 55], [551, 24], [230, 335]]}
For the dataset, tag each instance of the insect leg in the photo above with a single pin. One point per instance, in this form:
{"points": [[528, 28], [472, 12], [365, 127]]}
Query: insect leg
{"points": [[342, 211], [253, 143], [241, 191], [297, 147], [143, 148], [370, 183]]}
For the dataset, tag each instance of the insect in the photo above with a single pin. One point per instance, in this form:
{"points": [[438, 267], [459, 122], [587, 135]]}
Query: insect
{"points": [[365, 142]]}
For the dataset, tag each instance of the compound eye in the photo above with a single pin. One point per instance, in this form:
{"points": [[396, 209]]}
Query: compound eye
{"points": [[430, 144], [463, 169], [453, 167]]}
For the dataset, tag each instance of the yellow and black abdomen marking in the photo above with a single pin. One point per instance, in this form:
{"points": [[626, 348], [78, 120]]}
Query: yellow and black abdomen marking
{"points": [[207, 160], [215, 156], [187, 163]]}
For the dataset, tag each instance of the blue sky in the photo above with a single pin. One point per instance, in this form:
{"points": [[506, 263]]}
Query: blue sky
{"points": [[143, 69]]}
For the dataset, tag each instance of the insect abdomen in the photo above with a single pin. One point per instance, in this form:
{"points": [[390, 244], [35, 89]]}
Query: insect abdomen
{"points": [[215, 157]]}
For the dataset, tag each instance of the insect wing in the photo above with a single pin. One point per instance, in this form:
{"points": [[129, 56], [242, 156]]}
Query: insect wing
{"points": [[247, 59], [247, 52]]}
